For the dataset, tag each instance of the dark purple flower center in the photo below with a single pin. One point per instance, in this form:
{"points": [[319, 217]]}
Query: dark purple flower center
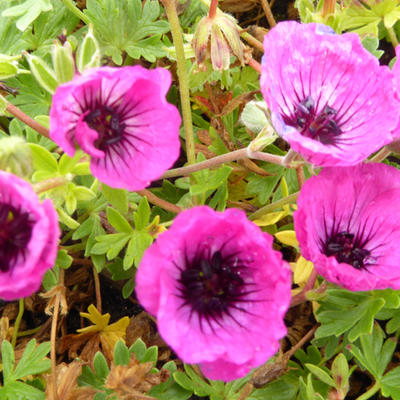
{"points": [[348, 248], [315, 125], [212, 286], [15, 233], [108, 125]]}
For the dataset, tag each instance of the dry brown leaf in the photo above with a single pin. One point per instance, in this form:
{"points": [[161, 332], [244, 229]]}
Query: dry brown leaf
{"points": [[66, 381], [133, 381]]}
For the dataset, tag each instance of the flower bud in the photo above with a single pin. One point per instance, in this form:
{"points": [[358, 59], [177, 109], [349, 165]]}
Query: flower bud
{"points": [[63, 61], [217, 38], [88, 55], [15, 156], [43, 73]]}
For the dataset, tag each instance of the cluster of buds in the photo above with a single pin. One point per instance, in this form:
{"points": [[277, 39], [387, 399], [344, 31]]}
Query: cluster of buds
{"points": [[217, 37]]}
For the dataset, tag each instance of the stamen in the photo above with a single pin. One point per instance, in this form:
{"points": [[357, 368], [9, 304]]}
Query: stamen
{"points": [[212, 286], [320, 126], [107, 123]]}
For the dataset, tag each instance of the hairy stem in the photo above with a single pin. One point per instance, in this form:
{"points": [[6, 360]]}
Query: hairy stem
{"points": [[236, 155], [252, 41], [166, 205], [48, 184], [274, 206], [17, 322], [75, 10], [255, 65], [17, 113], [177, 35], [301, 297], [213, 9]]}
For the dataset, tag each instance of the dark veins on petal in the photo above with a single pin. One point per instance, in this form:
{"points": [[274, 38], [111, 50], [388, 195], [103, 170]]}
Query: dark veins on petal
{"points": [[318, 125], [15, 233], [214, 285]]}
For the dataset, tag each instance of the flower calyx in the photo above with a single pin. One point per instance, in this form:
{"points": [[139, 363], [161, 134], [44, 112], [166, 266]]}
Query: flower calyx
{"points": [[217, 38]]}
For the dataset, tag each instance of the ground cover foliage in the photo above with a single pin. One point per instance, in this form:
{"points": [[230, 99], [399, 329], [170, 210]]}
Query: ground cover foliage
{"points": [[83, 334]]}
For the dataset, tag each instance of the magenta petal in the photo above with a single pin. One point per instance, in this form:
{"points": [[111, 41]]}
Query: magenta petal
{"points": [[329, 97], [218, 289], [347, 224], [28, 241], [120, 117]]}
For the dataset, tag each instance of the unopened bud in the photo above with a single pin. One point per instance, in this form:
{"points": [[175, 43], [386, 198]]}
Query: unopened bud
{"points": [[63, 61], [43, 73], [217, 38], [88, 55], [15, 156]]}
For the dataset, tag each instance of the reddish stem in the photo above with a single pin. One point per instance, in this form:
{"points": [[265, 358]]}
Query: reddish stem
{"points": [[213, 9], [13, 110], [254, 64]]}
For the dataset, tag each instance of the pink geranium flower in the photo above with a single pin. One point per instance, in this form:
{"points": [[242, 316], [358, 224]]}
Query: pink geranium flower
{"points": [[329, 97], [120, 117], [218, 289], [347, 224], [28, 238]]}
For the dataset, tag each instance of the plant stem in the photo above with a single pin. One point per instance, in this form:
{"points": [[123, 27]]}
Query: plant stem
{"points": [[177, 36], [213, 9], [268, 13], [393, 37], [75, 10], [17, 322], [380, 155], [301, 297], [17, 113], [166, 205], [252, 41], [254, 64], [48, 184], [97, 289], [275, 205], [212, 162], [369, 393], [53, 354], [236, 155]]}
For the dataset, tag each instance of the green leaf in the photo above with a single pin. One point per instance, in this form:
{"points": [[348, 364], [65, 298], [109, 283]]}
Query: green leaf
{"points": [[63, 260], [19, 390], [276, 390], [390, 384], [139, 348], [343, 311], [372, 44], [142, 215], [210, 180], [121, 354], [42, 72], [66, 163], [138, 244], [126, 25], [7, 356], [321, 374], [32, 361], [113, 242], [43, 159], [151, 355], [85, 229], [119, 223], [88, 54], [118, 198], [183, 380], [100, 366], [27, 12], [127, 289]]}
